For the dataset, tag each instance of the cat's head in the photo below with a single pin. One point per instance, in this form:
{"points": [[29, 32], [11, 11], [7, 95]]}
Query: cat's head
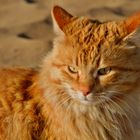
{"points": [[94, 62]]}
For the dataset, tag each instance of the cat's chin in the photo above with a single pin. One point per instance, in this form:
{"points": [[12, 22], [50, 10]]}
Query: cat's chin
{"points": [[93, 102], [90, 103]]}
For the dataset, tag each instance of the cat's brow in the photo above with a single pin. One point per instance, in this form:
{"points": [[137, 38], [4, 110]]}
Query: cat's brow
{"points": [[125, 69], [58, 65]]}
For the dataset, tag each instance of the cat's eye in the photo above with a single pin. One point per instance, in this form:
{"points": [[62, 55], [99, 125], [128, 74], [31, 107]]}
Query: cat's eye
{"points": [[73, 69], [104, 71]]}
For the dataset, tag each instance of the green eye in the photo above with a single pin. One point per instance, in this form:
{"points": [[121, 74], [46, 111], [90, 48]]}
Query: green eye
{"points": [[104, 71], [73, 69]]}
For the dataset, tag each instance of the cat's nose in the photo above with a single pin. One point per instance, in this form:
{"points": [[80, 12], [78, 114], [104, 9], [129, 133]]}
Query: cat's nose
{"points": [[85, 93], [85, 90]]}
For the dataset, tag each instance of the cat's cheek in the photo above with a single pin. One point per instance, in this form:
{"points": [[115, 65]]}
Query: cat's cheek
{"points": [[103, 81], [72, 93], [55, 73]]}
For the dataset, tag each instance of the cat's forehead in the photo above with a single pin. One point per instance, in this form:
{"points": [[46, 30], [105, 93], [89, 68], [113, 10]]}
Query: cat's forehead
{"points": [[85, 31], [92, 36]]}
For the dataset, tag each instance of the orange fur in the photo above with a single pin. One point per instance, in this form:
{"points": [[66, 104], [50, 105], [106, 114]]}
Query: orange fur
{"points": [[47, 104]]}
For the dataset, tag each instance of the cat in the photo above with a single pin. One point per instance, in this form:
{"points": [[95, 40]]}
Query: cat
{"points": [[86, 89]]}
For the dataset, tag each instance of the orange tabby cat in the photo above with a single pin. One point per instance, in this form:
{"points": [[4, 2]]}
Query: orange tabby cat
{"points": [[86, 89]]}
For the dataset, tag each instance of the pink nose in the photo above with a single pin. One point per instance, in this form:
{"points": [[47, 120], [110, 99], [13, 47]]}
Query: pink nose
{"points": [[85, 90], [85, 93]]}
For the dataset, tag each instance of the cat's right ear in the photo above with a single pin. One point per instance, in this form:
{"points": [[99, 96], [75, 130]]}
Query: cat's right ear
{"points": [[60, 19]]}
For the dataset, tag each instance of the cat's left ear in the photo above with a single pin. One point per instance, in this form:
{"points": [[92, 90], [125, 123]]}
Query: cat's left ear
{"points": [[60, 19], [132, 26]]}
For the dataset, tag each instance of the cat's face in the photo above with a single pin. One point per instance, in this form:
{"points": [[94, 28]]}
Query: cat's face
{"points": [[93, 63]]}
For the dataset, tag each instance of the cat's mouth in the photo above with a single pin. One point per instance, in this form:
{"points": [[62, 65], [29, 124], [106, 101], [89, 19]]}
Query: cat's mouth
{"points": [[90, 99]]}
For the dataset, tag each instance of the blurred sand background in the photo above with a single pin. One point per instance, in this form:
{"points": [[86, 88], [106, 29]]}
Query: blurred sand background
{"points": [[26, 31]]}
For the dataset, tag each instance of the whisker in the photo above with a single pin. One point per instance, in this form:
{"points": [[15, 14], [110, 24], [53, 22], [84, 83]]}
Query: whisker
{"points": [[122, 113], [120, 100], [68, 108], [63, 101], [125, 104]]}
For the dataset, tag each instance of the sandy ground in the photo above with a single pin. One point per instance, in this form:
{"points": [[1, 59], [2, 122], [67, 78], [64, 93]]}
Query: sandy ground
{"points": [[26, 31]]}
